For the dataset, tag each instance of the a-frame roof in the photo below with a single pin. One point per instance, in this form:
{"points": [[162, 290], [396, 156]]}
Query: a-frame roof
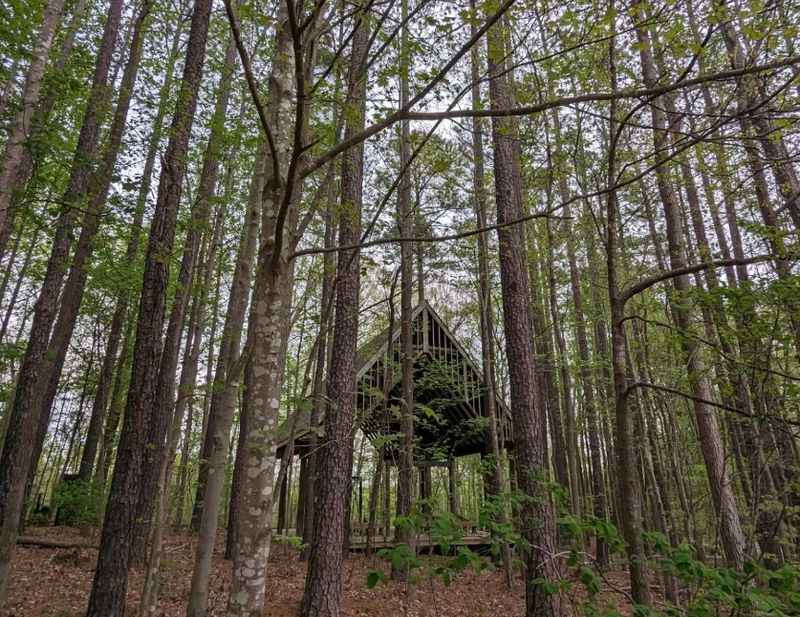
{"points": [[450, 395]]}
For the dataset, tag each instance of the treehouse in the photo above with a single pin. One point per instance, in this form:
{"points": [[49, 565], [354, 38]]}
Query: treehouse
{"points": [[451, 415]]}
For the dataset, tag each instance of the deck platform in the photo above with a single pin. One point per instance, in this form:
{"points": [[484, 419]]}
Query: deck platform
{"points": [[476, 539]]}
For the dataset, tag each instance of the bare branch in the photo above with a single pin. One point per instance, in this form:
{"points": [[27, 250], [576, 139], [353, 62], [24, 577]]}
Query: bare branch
{"points": [[251, 85], [648, 282], [697, 399], [403, 113], [594, 97]]}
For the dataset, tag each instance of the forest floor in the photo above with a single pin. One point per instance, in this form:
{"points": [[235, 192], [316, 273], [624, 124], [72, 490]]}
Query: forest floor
{"points": [[55, 582]]}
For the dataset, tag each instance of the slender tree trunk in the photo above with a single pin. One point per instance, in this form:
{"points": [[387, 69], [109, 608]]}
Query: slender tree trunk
{"points": [[44, 107], [267, 336], [223, 398], [17, 456], [79, 414], [374, 493], [8, 90], [109, 587], [388, 383], [20, 131], [12, 301], [493, 445], [149, 601], [236, 482], [323, 348], [734, 380], [707, 423], [323, 590], [628, 478], [775, 151], [602, 356], [121, 309], [542, 337], [115, 405], [98, 189], [587, 381], [208, 393], [557, 429], [198, 228], [653, 483], [405, 214], [9, 265], [538, 519]]}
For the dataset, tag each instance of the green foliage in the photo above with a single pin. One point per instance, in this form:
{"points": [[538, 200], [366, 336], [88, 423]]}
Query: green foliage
{"points": [[574, 528], [757, 590], [446, 531], [374, 577], [492, 518], [401, 557], [78, 503], [464, 559], [293, 542], [710, 590]]}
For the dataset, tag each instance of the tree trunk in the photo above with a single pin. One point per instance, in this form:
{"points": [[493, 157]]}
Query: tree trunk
{"points": [[493, 434], [707, 423], [43, 110], [109, 587], [121, 309], [405, 213], [628, 478], [198, 228], [772, 144], [557, 428], [12, 301], [208, 393], [17, 456], [537, 513], [323, 589], [223, 398], [542, 338], [587, 381], [19, 134], [149, 600], [374, 493], [115, 405], [267, 336], [318, 388], [72, 294], [9, 268]]}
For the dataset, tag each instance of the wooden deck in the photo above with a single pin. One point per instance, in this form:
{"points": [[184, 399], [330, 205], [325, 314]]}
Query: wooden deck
{"points": [[424, 543], [474, 538]]}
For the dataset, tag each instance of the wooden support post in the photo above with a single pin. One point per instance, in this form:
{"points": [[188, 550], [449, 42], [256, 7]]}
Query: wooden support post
{"points": [[282, 505], [387, 498], [302, 496], [425, 487], [425, 322], [452, 473]]}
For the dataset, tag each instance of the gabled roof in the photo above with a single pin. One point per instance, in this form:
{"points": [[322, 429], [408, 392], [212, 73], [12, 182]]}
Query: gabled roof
{"points": [[374, 349], [460, 400]]}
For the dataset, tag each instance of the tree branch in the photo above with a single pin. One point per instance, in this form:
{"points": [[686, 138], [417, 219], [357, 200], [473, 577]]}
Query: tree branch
{"points": [[251, 85], [704, 401], [648, 282], [594, 97], [431, 239], [403, 113]]}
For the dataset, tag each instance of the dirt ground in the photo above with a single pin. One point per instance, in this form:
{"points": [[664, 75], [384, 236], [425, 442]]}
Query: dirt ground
{"points": [[55, 582]]}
